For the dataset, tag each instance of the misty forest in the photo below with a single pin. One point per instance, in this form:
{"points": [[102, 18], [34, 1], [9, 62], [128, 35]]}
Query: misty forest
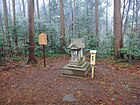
{"points": [[45, 45]]}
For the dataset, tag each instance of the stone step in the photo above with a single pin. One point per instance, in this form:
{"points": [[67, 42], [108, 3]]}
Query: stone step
{"points": [[76, 71]]}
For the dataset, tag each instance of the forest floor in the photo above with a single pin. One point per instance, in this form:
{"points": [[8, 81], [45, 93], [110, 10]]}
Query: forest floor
{"points": [[115, 83]]}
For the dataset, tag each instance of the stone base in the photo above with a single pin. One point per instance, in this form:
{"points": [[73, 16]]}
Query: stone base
{"points": [[76, 70]]}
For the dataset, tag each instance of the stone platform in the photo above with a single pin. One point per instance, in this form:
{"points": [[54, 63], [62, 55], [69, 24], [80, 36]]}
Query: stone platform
{"points": [[76, 70]]}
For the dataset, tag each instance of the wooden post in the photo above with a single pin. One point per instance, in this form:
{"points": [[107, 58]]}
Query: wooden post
{"points": [[44, 55], [92, 71], [92, 60]]}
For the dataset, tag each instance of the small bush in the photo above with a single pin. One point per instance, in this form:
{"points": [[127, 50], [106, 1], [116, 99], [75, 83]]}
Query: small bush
{"points": [[130, 49]]}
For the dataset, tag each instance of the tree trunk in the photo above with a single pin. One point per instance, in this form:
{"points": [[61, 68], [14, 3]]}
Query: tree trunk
{"points": [[107, 18], [14, 12], [117, 27], [50, 11], [0, 4], [37, 6], [14, 22], [138, 21], [45, 12], [62, 25], [87, 14], [5, 15], [32, 59], [7, 27], [9, 12], [1, 29], [71, 18], [123, 9], [24, 21], [38, 14], [75, 19], [126, 19], [24, 13], [2, 37], [19, 3], [78, 23], [97, 21], [132, 29]]}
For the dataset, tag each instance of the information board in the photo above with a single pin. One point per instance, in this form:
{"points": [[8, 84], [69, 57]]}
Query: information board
{"points": [[42, 39]]}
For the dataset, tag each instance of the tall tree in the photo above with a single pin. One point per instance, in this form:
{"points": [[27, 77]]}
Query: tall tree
{"points": [[117, 27], [14, 22], [37, 6], [1, 26], [9, 12], [123, 9], [71, 17], [5, 15], [78, 14], [7, 26], [14, 12], [126, 18], [132, 29], [0, 4], [62, 25], [137, 15], [1, 31], [137, 21], [74, 18], [24, 21], [38, 13], [23, 5], [87, 15], [50, 11], [97, 21], [32, 59], [44, 8], [19, 4], [107, 18]]}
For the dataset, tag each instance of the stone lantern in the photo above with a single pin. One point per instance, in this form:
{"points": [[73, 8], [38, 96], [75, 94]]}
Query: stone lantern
{"points": [[77, 65]]}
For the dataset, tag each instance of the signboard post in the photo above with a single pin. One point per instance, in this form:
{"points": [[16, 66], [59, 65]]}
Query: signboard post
{"points": [[92, 60], [44, 55], [43, 42]]}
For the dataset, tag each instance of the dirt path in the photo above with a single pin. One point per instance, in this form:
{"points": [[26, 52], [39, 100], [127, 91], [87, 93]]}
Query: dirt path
{"points": [[35, 85]]}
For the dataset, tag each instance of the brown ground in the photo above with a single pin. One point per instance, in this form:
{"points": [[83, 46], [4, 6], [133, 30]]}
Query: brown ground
{"points": [[114, 84]]}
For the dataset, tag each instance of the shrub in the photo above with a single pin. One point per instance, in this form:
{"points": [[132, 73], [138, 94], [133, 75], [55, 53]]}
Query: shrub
{"points": [[130, 49]]}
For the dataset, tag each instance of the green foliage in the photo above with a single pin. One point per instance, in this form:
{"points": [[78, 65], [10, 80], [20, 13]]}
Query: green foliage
{"points": [[130, 51], [92, 43], [53, 39], [39, 26], [104, 53], [16, 58], [38, 51], [53, 55], [105, 49], [53, 43], [131, 45]]}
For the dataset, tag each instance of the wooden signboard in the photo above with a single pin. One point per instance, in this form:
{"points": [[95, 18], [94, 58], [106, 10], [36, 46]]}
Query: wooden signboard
{"points": [[43, 42], [42, 39]]}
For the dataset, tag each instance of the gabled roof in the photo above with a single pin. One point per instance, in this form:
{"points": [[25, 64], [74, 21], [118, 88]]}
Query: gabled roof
{"points": [[77, 43]]}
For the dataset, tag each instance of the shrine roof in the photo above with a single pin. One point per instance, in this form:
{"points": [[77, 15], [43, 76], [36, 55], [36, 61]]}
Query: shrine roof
{"points": [[77, 43]]}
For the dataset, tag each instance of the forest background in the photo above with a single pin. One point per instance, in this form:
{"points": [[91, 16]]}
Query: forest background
{"points": [[111, 27]]}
